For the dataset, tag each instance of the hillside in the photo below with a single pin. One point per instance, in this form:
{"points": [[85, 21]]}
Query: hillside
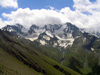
{"points": [[17, 58], [66, 44]]}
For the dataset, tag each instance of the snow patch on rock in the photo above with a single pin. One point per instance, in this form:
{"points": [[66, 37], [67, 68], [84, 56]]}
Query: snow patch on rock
{"points": [[49, 34], [43, 42], [92, 49], [32, 39], [46, 37], [65, 42]]}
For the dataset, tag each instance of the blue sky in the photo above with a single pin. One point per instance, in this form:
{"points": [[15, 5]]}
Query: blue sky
{"points": [[39, 4], [82, 13]]}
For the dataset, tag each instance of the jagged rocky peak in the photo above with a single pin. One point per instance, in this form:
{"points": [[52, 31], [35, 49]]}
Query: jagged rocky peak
{"points": [[51, 27], [57, 35], [32, 28], [17, 29], [91, 32], [13, 28]]}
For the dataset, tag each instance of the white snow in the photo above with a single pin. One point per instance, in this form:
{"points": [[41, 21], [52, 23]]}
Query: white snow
{"points": [[55, 44], [46, 37], [10, 30], [72, 39], [84, 40], [32, 39], [65, 42], [69, 35], [49, 34], [77, 37], [63, 45], [43, 42], [92, 49]]}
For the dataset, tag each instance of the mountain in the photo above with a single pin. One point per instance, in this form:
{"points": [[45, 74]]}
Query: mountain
{"points": [[65, 43], [97, 34], [55, 35], [92, 32], [19, 58], [16, 29]]}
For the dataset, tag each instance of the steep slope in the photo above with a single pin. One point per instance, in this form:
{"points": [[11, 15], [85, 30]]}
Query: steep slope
{"points": [[17, 58], [67, 44], [57, 35]]}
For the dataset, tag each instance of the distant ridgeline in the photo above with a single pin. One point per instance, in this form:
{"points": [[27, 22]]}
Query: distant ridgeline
{"points": [[59, 49]]}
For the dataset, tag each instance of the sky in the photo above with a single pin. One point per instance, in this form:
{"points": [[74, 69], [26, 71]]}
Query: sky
{"points": [[82, 13]]}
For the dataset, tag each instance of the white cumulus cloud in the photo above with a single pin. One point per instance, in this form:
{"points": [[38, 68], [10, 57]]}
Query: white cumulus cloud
{"points": [[86, 14], [9, 3], [41, 17], [1, 23], [92, 10]]}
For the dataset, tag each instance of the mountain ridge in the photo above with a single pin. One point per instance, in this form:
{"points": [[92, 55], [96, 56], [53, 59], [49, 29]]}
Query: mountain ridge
{"points": [[65, 44], [18, 58], [57, 35], [66, 32]]}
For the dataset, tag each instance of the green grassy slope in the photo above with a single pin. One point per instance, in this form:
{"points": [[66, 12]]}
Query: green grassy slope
{"points": [[17, 58], [79, 57]]}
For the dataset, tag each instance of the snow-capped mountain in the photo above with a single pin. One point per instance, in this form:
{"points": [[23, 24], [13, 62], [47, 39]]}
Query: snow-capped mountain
{"points": [[57, 35], [17, 29], [95, 33]]}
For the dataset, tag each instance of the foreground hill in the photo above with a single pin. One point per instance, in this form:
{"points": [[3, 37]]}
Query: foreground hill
{"points": [[18, 58], [65, 43]]}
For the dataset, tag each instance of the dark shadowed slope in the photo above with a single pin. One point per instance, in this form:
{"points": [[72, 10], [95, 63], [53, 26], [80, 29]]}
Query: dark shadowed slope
{"points": [[17, 58]]}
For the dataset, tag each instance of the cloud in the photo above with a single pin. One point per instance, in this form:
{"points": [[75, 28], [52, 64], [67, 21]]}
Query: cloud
{"points": [[92, 13], [9, 3], [40, 17], [1, 23], [87, 5], [86, 14], [4, 23]]}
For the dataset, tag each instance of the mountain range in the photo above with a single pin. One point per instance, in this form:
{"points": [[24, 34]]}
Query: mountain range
{"points": [[56, 35], [58, 49]]}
